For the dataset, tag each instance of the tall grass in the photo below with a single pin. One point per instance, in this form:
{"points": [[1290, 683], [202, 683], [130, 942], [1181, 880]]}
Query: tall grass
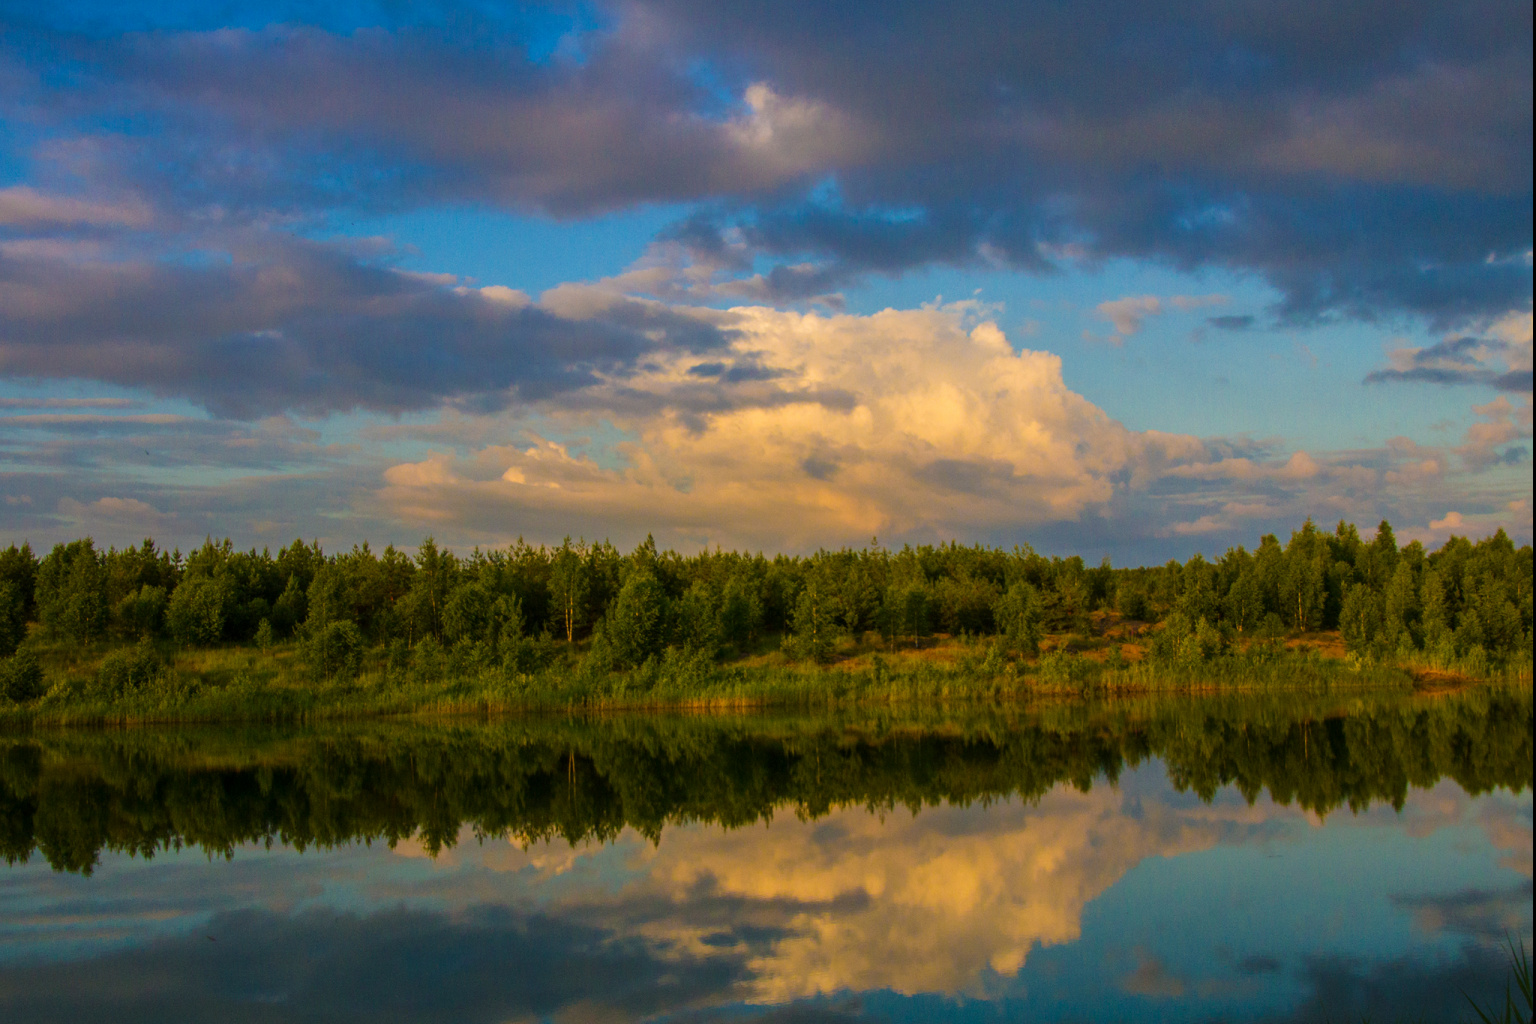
{"points": [[1519, 982], [160, 683]]}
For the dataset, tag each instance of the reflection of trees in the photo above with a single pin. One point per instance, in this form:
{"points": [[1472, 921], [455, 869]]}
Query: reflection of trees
{"points": [[71, 795]]}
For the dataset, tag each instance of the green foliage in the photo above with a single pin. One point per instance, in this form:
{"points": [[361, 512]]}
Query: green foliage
{"points": [[1466, 607], [13, 618], [21, 677], [1018, 617], [71, 592], [197, 610], [333, 650], [291, 607], [18, 568], [741, 612], [696, 620], [142, 612], [637, 624], [1187, 640], [128, 671], [569, 583], [814, 632], [468, 614], [429, 662], [1360, 621]]}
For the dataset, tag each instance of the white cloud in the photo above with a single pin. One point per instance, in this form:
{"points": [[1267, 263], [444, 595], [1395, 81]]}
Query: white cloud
{"points": [[1128, 313], [1451, 521], [813, 429]]}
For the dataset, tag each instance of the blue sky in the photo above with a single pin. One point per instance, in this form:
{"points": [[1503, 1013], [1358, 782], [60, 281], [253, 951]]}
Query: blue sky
{"points": [[1107, 279]]}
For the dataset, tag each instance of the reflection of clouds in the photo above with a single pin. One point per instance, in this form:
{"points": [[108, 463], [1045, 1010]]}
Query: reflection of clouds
{"points": [[949, 901], [1488, 915], [1152, 978], [941, 901], [926, 903], [916, 904], [1508, 828]]}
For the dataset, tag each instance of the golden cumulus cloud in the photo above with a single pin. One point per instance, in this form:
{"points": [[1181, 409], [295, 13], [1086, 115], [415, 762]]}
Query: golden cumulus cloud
{"points": [[810, 429]]}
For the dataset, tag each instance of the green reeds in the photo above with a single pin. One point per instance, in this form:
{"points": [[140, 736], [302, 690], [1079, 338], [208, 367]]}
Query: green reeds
{"points": [[1519, 981]]}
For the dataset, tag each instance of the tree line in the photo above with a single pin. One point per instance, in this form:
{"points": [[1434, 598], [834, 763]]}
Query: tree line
{"points": [[1463, 602]]}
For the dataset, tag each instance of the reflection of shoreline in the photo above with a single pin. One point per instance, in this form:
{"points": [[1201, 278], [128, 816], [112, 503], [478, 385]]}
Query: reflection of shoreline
{"points": [[70, 795], [951, 902]]}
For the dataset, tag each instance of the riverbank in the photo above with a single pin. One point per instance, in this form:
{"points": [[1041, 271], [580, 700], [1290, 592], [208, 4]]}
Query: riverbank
{"points": [[161, 683]]}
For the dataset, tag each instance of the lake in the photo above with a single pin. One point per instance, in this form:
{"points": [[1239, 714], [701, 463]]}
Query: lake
{"points": [[1262, 857]]}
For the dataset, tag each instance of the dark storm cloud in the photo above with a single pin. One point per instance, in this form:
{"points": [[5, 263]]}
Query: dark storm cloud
{"points": [[1366, 160], [311, 328]]}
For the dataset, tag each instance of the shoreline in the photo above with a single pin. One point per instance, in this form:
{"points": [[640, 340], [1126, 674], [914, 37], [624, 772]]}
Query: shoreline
{"points": [[240, 686]]}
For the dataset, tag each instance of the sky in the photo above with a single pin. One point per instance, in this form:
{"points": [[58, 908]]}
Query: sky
{"points": [[1104, 278]]}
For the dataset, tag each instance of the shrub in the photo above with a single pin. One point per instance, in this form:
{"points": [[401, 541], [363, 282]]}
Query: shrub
{"points": [[335, 649], [1186, 640], [21, 677], [129, 670]]}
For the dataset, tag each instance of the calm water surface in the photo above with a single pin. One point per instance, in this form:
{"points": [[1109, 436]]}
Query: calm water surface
{"points": [[1179, 861]]}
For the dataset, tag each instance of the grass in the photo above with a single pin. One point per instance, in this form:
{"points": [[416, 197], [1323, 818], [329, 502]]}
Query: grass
{"points": [[277, 684]]}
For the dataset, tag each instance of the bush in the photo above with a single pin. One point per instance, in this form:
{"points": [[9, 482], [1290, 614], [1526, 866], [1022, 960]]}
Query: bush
{"points": [[1061, 669], [1183, 640], [335, 649], [21, 677], [129, 670]]}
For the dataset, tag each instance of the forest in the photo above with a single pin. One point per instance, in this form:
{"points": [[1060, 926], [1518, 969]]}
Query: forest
{"points": [[85, 623]]}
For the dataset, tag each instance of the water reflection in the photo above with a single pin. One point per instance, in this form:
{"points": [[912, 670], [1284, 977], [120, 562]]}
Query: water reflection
{"points": [[873, 869]]}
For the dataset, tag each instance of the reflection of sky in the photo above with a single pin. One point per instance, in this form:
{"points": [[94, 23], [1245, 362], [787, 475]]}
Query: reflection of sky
{"points": [[1127, 902]]}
